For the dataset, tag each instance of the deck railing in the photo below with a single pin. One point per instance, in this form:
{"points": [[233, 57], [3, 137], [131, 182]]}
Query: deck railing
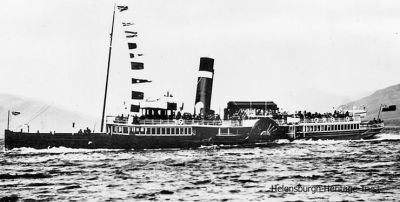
{"points": [[118, 120], [125, 120], [322, 120], [330, 120], [180, 122]]}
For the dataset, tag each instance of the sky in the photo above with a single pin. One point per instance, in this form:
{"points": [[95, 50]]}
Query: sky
{"points": [[264, 50]]}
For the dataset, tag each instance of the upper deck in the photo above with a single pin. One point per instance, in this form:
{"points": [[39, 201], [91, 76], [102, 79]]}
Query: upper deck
{"points": [[129, 121], [331, 120]]}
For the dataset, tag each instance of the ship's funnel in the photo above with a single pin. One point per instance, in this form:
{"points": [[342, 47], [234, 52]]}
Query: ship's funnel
{"points": [[204, 87]]}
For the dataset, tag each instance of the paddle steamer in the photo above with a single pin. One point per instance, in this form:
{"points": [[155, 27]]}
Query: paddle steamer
{"points": [[151, 124]]}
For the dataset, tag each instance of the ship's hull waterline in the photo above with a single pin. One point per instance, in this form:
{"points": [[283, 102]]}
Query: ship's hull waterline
{"points": [[342, 135], [97, 141], [203, 137]]}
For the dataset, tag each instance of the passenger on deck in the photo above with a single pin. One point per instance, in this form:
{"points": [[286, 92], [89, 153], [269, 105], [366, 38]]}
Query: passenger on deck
{"points": [[178, 115], [135, 119], [87, 130]]}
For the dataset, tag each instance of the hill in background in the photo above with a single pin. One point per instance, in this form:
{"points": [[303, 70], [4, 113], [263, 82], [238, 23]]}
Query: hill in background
{"points": [[41, 116], [386, 96]]}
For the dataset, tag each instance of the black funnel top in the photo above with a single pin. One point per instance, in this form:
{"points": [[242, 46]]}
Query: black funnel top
{"points": [[206, 64]]}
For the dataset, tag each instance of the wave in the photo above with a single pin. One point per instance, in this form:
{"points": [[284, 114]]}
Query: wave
{"points": [[376, 165], [379, 137], [24, 176], [310, 141], [387, 136], [57, 150]]}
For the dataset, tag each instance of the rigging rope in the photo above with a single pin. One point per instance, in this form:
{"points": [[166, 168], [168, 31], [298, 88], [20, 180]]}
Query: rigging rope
{"points": [[39, 113], [43, 109]]}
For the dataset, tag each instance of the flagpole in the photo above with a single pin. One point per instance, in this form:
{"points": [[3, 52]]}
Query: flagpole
{"points": [[8, 120], [108, 72], [380, 108]]}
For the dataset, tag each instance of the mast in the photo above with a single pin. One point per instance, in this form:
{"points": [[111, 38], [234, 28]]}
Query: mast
{"points": [[8, 120], [108, 72]]}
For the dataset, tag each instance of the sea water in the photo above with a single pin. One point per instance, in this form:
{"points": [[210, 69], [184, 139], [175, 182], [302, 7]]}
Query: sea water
{"points": [[303, 170]]}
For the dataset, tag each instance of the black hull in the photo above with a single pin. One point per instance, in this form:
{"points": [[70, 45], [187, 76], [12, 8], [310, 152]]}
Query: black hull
{"points": [[99, 141], [340, 135], [202, 136]]}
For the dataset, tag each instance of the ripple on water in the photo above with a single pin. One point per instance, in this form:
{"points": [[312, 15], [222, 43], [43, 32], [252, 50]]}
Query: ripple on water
{"points": [[208, 174], [24, 176]]}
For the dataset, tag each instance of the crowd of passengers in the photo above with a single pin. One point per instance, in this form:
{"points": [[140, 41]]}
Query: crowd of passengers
{"points": [[335, 114], [243, 114], [177, 116]]}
